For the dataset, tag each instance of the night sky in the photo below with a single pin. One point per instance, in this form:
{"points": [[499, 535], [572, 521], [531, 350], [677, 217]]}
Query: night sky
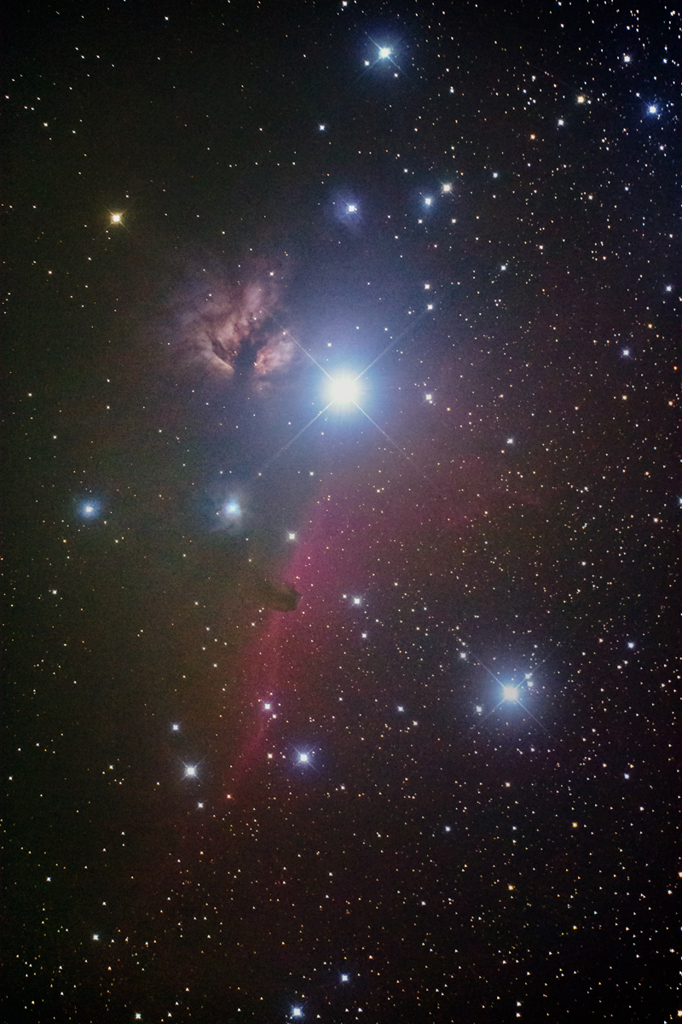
{"points": [[340, 508]]}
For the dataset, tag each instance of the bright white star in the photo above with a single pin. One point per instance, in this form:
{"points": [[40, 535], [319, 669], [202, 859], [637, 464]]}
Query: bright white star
{"points": [[384, 52], [510, 692], [343, 390]]}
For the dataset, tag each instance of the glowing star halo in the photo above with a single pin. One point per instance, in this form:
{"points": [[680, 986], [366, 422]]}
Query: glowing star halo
{"points": [[510, 692], [343, 390]]}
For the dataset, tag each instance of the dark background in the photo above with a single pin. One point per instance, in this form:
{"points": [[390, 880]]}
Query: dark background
{"points": [[452, 854]]}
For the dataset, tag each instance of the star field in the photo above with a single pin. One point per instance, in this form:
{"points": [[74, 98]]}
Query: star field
{"points": [[341, 509]]}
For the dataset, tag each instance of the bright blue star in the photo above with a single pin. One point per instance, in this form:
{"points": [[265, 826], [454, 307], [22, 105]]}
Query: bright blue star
{"points": [[89, 509], [384, 52], [510, 692]]}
